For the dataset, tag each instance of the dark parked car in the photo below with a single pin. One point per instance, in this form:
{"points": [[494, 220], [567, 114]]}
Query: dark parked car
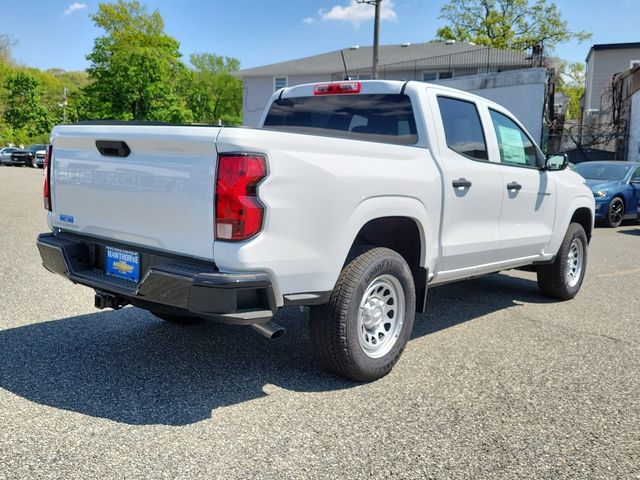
{"points": [[616, 188], [26, 156], [5, 155]]}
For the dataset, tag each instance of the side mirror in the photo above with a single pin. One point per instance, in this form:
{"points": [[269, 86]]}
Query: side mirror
{"points": [[556, 161]]}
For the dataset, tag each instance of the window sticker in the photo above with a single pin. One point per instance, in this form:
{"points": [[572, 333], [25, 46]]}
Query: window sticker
{"points": [[512, 146]]}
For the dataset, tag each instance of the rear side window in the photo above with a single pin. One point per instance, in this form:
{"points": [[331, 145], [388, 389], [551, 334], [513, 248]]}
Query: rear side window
{"points": [[378, 117], [462, 128], [515, 146]]}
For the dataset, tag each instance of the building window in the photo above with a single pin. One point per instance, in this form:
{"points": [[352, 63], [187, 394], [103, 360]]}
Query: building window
{"points": [[279, 82], [431, 76]]}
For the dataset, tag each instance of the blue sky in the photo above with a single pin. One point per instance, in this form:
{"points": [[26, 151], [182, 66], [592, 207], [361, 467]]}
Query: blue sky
{"points": [[59, 33]]}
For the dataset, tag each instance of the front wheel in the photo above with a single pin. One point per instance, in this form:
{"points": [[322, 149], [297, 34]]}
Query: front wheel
{"points": [[362, 331], [615, 213], [563, 278]]}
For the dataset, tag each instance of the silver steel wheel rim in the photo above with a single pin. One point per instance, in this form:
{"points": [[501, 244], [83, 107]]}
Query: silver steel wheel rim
{"points": [[380, 316], [574, 263]]}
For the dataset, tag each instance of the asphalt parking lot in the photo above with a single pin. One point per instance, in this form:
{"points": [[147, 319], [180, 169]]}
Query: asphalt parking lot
{"points": [[497, 382]]}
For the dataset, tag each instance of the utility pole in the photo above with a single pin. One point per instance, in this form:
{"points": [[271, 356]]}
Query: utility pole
{"points": [[376, 36], [65, 93]]}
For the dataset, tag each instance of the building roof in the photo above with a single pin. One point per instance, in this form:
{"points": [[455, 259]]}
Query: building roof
{"points": [[612, 46], [357, 58]]}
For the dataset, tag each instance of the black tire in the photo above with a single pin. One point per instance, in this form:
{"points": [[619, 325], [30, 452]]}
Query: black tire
{"points": [[177, 319], [615, 213], [554, 280], [334, 326]]}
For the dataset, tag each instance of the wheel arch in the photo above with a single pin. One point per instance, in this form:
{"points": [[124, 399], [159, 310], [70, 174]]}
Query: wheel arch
{"points": [[403, 233], [584, 217], [581, 210]]}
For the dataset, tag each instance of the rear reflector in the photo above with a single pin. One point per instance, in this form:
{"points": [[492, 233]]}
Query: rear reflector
{"points": [[337, 88], [46, 183], [239, 213]]}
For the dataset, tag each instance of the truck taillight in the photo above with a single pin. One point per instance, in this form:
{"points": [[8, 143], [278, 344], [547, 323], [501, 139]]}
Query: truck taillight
{"points": [[337, 88], [46, 183], [239, 213]]}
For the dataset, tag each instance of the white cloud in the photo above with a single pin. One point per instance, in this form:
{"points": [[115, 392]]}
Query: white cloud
{"points": [[357, 13], [74, 7]]}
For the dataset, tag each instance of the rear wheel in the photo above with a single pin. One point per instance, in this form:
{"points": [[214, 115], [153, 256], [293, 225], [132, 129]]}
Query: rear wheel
{"points": [[563, 278], [615, 213], [362, 331], [177, 319]]}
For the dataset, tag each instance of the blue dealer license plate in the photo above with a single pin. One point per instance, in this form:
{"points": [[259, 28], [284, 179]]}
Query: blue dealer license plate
{"points": [[123, 264]]}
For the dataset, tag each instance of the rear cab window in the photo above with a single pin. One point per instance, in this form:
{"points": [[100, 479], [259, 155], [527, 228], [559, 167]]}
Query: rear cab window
{"points": [[387, 118]]}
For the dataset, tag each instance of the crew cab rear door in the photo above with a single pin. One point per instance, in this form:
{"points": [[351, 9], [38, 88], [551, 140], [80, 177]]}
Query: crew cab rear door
{"points": [[470, 235]]}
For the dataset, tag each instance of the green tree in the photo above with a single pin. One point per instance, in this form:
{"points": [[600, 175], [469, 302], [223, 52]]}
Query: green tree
{"points": [[211, 91], [134, 67], [24, 110], [516, 24], [570, 80]]}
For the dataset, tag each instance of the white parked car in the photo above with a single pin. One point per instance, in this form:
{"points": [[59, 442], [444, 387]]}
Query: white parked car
{"points": [[5, 155], [353, 198], [39, 158]]}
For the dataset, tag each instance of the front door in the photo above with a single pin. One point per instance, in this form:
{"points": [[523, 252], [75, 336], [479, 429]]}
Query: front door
{"points": [[528, 192]]}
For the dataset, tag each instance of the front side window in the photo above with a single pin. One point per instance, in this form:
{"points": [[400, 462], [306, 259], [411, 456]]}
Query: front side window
{"points": [[462, 128], [636, 175], [515, 146]]}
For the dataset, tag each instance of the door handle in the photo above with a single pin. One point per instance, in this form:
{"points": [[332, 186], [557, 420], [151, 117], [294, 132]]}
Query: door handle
{"points": [[514, 186], [461, 183]]}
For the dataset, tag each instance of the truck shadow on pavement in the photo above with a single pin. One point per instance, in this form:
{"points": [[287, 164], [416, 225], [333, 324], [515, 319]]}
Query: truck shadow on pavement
{"points": [[129, 367]]}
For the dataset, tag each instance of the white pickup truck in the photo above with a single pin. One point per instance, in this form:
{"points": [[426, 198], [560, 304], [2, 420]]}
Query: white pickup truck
{"points": [[352, 198]]}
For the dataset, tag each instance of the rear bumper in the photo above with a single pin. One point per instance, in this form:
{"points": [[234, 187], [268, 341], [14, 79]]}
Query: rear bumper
{"points": [[167, 284]]}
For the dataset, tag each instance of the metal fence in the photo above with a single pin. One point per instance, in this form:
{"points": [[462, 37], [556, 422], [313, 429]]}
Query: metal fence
{"points": [[480, 60]]}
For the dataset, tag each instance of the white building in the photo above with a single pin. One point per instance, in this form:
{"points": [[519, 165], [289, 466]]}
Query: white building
{"points": [[447, 62]]}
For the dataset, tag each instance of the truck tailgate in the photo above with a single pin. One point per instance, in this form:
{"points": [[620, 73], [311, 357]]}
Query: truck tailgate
{"points": [[160, 195]]}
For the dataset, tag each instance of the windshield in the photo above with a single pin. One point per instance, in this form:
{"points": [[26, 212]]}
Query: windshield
{"points": [[33, 148], [600, 171]]}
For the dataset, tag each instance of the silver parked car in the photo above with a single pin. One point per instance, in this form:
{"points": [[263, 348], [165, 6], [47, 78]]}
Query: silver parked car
{"points": [[5, 155]]}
